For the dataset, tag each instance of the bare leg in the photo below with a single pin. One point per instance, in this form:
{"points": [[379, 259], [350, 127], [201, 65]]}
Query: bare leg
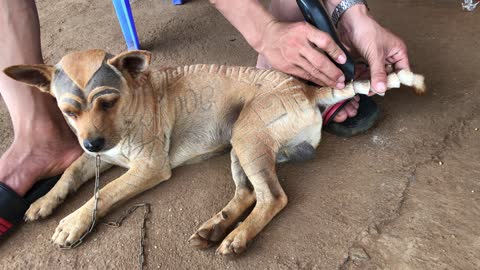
{"points": [[288, 11], [43, 145]]}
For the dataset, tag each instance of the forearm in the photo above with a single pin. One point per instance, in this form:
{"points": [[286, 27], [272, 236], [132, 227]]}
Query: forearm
{"points": [[247, 16], [350, 16]]}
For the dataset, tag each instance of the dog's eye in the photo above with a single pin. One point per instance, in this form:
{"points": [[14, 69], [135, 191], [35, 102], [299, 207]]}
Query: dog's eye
{"points": [[107, 104], [70, 114]]}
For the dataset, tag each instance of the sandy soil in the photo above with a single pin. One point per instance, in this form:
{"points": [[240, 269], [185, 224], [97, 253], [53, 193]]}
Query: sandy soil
{"points": [[406, 195]]}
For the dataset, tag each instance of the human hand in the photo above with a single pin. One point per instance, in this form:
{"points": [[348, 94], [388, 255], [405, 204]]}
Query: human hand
{"points": [[299, 49], [378, 46]]}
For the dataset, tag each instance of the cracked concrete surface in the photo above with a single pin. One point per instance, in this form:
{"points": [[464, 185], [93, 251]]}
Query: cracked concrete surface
{"points": [[377, 201]]}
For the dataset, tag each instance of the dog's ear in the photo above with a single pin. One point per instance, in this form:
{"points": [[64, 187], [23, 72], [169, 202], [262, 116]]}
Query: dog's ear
{"points": [[133, 62], [39, 76]]}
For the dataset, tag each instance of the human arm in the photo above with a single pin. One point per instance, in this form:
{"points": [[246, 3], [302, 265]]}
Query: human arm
{"points": [[360, 32], [289, 47]]}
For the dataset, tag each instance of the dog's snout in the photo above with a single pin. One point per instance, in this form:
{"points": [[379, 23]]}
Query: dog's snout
{"points": [[94, 145]]}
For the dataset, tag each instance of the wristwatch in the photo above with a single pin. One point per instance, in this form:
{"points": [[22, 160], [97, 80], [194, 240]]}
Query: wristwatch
{"points": [[343, 6]]}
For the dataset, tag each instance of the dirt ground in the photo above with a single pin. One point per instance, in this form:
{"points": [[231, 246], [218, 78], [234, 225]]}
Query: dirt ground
{"points": [[405, 195]]}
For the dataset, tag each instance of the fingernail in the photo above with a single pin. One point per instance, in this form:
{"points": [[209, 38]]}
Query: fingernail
{"points": [[341, 59], [340, 85], [341, 79], [380, 87]]}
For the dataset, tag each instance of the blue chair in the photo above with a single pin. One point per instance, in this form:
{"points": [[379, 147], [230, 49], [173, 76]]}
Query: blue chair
{"points": [[125, 18]]}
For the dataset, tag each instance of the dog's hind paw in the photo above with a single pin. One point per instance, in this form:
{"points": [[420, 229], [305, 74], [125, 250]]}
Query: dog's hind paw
{"points": [[41, 208], [210, 232], [198, 241], [234, 244], [207, 235]]}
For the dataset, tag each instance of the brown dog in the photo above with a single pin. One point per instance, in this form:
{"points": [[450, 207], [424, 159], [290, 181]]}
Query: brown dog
{"points": [[151, 121]]}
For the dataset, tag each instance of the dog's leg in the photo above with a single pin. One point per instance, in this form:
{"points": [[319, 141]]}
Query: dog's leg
{"points": [[215, 228], [137, 179], [257, 155], [78, 173]]}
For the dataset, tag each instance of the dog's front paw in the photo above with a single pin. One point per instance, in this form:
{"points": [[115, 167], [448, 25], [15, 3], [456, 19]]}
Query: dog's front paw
{"points": [[41, 208], [235, 243], [71, 228], [210, 232]]}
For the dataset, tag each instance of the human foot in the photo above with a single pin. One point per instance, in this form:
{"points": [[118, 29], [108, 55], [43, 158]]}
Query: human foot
{"points": [[38, 153], [350, 110]]}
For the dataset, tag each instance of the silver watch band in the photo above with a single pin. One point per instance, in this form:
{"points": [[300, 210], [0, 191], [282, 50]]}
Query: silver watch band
{"points": [[343, 6]]}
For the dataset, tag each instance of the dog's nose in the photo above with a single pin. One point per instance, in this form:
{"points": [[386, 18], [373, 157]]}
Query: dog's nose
{"points": [[94, 145]]}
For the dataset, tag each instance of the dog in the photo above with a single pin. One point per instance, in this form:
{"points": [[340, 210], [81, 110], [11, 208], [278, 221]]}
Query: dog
{"points": [[152, 121]]}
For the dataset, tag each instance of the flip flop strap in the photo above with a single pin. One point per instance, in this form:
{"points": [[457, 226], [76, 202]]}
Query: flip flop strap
{"points": [[332, 111]]}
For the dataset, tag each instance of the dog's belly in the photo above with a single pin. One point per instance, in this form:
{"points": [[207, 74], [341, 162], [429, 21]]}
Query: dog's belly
{"points": [[199, 141]]}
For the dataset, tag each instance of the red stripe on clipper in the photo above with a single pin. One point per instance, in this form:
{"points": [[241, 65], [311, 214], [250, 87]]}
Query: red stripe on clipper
{"points": [[3, 229]]}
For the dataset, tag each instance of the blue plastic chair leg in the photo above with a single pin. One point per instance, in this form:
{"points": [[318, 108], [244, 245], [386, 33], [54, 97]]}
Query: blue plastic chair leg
{"points": [[125, 18], [177, 2]]}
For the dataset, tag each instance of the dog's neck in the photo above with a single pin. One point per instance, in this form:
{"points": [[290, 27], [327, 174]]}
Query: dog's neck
{"points": [[145, 111]]}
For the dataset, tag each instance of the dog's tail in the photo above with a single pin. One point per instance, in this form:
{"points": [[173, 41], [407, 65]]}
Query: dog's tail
{"points": [[326, 96]]}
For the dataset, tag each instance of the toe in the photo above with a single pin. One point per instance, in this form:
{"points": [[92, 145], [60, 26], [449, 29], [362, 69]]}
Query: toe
{"points": [[61, 238], [73, 237], [224, 248], [31, 215], [351, 110], [56, 234], [341, 116], [355, 103], [233, 245], [197, 241]]}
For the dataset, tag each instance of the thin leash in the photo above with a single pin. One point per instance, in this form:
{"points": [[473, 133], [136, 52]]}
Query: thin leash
{"points": [[118, 222]]}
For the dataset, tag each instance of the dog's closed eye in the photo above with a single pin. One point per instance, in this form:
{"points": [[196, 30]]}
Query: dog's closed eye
{"points": [[70, 108], [106, 102], [104, 99], [70, 114]]}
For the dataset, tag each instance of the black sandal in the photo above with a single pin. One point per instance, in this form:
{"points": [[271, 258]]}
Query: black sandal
{"points": [[13, 207], [367, 115]]}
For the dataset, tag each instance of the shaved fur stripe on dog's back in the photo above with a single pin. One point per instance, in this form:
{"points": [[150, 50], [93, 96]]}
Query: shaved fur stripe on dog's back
{"points": [[249, 75]]}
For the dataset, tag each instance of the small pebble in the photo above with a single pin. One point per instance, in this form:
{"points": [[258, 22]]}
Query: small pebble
{"points": [[440, 163], [476, 129], [358, 254]]}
